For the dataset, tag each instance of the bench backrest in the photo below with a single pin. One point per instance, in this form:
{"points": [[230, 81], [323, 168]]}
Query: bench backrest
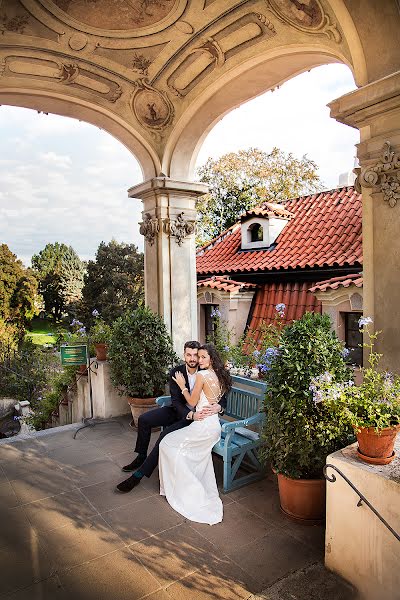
{"points": [[245, 398]]}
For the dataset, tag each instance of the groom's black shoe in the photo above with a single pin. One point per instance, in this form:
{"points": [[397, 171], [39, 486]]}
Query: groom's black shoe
{"points": [[135, 464], [128, 484]]}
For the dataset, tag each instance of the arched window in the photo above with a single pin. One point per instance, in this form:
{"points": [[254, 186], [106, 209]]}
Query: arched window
{"points": [[255, 233]]}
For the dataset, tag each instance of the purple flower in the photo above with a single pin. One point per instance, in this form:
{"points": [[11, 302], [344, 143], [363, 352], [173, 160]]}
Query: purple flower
{"points": [[226, 348], [215, 313], [82, 330], [95, 313], [280, 308], [345, 352], [364, 321]]}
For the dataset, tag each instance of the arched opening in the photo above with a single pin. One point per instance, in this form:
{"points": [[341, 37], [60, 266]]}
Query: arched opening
{"points": [[255, 233]]}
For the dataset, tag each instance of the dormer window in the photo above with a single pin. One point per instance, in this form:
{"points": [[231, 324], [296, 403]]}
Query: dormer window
{"points": [[262, 225], [255, 233]]}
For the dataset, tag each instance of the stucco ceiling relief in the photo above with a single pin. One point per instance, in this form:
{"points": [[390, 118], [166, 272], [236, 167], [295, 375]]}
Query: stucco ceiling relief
{"points": [[308, 16], [204, 53], [152, 108], [65, 73]]}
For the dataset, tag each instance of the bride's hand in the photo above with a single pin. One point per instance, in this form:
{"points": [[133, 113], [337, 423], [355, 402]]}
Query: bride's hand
{"points": [[180, 380]]}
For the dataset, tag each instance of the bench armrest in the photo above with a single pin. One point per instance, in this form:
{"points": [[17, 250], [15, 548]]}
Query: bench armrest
{"points": [[163, 401], [231, 426]]}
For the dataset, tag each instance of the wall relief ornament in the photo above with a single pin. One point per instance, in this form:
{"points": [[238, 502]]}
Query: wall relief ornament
{"points": [[385, 175], [151, 107], [149, 228], [308, 16], [15, 24], [179, 228], [140, 64]]}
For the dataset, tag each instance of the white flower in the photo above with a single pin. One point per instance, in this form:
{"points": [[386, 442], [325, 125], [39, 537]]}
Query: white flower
{"points": [[364, 321]]}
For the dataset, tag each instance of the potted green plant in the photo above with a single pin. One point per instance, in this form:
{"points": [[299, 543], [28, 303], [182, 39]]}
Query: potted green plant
{"points": [[100, 335], [373, 407], [299, 433], [140, 354]]}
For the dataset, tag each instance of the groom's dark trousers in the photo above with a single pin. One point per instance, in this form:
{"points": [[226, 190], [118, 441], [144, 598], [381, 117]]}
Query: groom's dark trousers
{"points": [[170, 417]]}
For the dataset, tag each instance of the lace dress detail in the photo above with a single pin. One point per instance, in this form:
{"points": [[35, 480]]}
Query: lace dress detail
{"points": [[187, 477]]}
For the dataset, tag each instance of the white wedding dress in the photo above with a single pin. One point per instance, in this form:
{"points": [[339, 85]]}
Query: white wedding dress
{"points": [[187, 477]]}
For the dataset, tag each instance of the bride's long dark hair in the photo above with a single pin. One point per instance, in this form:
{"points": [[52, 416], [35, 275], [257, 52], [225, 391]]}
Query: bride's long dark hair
{"points": [[224, 378]]}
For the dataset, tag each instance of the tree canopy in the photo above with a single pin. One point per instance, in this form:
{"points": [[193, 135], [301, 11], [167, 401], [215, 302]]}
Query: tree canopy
{"points": [[18, 290], [241, 180], [60, 272], [114, 282]]}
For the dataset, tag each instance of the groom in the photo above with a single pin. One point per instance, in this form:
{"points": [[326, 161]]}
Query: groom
{"points": [[173, 417]]}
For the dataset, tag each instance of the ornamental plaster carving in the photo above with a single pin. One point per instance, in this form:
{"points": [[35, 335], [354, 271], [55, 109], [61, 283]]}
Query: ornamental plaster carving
{"points": [[384, 176], [149, 228], [15, 24], [140, 64], [309, 17], [180, 228], [206, 52], [71, 74], [152, 108]]}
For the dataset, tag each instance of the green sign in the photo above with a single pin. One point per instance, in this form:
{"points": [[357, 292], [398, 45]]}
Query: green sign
{"points": [[74, 355]]}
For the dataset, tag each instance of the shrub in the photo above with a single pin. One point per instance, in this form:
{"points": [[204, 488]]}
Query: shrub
{"points": [[298, 432], [140, 352]]}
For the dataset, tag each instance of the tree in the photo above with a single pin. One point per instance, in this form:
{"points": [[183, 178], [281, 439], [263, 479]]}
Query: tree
{"points": [[241, 180], [114, 282], [18, 290], [60, 272]]}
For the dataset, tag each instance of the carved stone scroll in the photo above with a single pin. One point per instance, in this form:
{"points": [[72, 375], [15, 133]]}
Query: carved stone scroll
{"points": [[149, 228], [384, 176], [179, 228]]}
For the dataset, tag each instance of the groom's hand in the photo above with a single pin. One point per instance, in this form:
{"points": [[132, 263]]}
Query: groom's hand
{"points": [[208, 411]]}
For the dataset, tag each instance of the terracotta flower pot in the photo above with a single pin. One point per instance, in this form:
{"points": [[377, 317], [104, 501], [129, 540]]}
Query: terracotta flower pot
{"points": [[302, 499], [376, 447], [101, 351], [140, 406]]}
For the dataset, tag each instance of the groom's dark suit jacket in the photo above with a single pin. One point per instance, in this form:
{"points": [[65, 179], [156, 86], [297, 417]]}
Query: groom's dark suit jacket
{"points": [[171, 417]]}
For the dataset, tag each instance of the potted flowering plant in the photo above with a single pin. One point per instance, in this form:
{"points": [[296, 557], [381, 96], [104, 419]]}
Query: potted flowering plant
{"points": [[373, 407], [299, 432], [100, 334]]}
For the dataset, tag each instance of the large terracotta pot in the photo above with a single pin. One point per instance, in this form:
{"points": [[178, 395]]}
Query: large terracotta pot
{"points": [[101, 351], [302, 499], [376, 447], [140, 406]]}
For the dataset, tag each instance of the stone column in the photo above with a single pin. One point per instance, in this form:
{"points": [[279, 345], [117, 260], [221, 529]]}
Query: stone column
{"points": [[375, 110], [168, 225]]}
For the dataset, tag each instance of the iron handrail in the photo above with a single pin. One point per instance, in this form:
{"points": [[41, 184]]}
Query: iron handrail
{"points": [[362, 498]]}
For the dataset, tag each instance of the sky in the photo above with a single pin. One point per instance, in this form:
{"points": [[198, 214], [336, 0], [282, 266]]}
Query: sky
{"points": [[65, 180]]}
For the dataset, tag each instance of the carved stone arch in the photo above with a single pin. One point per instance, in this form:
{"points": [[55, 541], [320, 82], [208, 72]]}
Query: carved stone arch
{"points": [[77, 108], [247, 81]]}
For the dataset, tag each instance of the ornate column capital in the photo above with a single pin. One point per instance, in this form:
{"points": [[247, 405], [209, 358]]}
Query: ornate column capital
{"points": [[149, 228], [163, 185], [179, 228], [384, 175]]}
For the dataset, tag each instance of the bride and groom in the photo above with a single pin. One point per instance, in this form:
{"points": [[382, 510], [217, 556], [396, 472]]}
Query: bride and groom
{"points": [[183, 450]]}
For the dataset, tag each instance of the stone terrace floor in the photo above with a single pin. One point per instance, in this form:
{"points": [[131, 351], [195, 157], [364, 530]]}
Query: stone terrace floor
{"points": [[65, 532]]}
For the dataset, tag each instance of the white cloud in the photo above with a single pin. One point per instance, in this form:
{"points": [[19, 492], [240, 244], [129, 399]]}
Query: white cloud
{"points": [[54, 160]]}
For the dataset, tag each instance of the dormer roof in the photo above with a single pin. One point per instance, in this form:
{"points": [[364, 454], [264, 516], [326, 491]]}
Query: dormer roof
{"points": [[267, 210]]}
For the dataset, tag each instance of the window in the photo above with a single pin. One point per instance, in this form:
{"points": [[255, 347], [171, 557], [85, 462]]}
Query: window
{"points": [[353, 338], [209, 321], [255, 233]]}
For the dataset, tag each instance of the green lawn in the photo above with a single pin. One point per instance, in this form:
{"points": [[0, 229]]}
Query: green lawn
{"points": [[43, 332]]}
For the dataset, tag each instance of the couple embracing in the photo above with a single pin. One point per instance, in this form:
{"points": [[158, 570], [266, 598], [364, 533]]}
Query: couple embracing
{"points": [[198, 391]]}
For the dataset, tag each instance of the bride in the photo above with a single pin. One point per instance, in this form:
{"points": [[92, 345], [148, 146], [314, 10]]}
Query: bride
{"points": [[186, 469]]}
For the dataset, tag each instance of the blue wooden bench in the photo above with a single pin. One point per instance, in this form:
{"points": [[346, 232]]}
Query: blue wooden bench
{"points": [[240, 436]]}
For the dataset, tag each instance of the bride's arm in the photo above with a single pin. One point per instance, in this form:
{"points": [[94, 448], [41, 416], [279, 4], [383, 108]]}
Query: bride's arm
{"points": [[191, 398]]}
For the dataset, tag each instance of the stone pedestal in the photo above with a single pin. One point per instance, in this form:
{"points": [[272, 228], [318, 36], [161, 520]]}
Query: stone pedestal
{"points": [[169, 216], [358, 546], [107, 402]]}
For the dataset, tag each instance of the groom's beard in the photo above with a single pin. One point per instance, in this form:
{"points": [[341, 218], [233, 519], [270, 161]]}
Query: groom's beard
{"points": [[192, 364]]}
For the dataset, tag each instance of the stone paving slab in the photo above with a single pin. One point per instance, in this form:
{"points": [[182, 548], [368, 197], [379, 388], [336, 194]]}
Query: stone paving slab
{"points": [[66, 532]]}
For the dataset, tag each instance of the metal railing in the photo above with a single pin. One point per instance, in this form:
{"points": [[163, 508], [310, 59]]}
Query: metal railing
{"points": [[362, 498]]}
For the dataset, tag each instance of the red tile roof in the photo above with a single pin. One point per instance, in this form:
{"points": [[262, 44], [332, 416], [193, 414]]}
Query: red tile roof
{"points": [[225, 284], [336, 282], [325, 231], [268, 209], [294, 295]]}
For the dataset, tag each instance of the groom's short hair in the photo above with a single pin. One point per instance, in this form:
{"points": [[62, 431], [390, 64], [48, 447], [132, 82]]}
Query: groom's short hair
{"points": [[194, 345]]}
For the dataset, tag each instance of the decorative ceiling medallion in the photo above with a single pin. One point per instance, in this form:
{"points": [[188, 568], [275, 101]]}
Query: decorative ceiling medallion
{"points": [[117, 18], [151, 107], [308, 16]]}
